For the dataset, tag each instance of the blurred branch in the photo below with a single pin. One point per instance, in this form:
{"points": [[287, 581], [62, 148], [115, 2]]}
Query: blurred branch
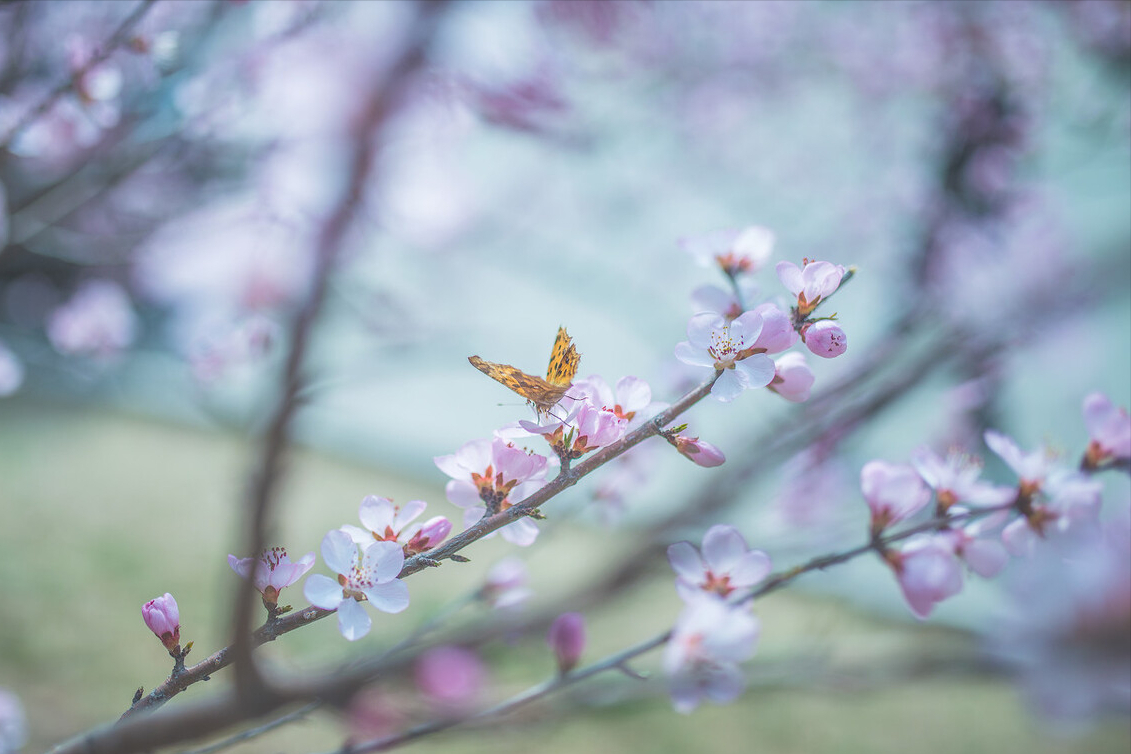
{"points": [[120, 36]]}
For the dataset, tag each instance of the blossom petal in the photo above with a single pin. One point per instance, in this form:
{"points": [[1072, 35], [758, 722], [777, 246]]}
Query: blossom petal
{"points": [[353, 621], [322, 591], [339, 552], [729, 385], [758, 369], [522, 532], [722, 547], [384, 560], [685, 561], [390, 597], [696, 357]]}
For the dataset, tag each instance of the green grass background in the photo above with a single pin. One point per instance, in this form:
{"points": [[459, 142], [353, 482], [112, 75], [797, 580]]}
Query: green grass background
{"points": [[101, 511]]}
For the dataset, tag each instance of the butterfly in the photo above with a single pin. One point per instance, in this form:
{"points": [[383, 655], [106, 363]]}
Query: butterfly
{"points": [[543, 394]]}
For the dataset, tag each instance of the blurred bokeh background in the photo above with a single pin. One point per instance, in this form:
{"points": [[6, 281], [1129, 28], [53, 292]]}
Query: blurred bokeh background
{"points": [[167, 168]]}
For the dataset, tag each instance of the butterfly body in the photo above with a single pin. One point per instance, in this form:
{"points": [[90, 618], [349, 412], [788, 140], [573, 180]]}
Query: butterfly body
{"points": [[543, 394]]}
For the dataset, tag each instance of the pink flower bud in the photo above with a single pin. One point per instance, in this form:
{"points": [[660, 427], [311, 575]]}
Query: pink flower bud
{"points": [[567, 639], [432, 533], [793, 379], [164, 620], [699, 451], [825, 339], [450, 676]]}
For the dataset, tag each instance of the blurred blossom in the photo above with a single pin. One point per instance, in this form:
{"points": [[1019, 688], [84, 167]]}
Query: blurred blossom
{"points": [[725, 301], [734, 251], [567, 640], [1066, 627], [1109, 428], [11, 371], [97, 321], [1067, 500], [893, 492], [710, 638], [13, 723], [724, 567], [505, 586], [928, 572], [955, 479], [812, 492], [375, 712], [1031, 467], [793, 379], [452, 678], [231, 345], [273, 571]]}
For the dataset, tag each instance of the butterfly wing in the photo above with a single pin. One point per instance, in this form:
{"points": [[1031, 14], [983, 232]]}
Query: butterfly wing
{"points": [[563, 360]]}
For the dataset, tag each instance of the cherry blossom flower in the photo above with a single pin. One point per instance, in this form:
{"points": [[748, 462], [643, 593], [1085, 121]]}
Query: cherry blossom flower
{"points": [[450, 677], [928, 572], [824, 338], [893, 492], [273, 571], [1109, 428], [701, 658], [698, 451], [729, 348], [163, 618], [810, 284], [955, 479], [793, 379], [1031, 468], [11, 372], [505, 586], [386, 522], [488, 476], [726, 567], [372, 577], [585, 429], [729, 303], [972, 544], [735, 251], [1067, 499], [777, 330], [231, 345], [631, 401], [567, 640], [98, 321]]}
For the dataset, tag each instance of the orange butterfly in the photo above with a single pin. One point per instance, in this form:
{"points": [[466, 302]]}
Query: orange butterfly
{"points": [[543, 394]]}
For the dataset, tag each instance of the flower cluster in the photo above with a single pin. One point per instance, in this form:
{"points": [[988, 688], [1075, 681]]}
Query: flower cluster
{"points": [[716, 631], [981, 523]]}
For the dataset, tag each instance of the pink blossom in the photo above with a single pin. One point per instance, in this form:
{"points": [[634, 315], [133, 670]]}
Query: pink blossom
{"points": [[505, 586], [273, 571], [163, 618], [488, 476], [955, 479], [777, 330], [585, 429], [811, 284], [825, 339], [1031, 468], [98, 321], [11, 372], [744, 250], [793, 379], [728, 303], [386, 522], [973, 545], [698, 451], [726, 567], [1109, 428], [928, 572], [567, 640], [450, 677], [632, 397], [727, 347], [231, 345], [1066, 500], [892, 492], [701, 658], [373, 577]]}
